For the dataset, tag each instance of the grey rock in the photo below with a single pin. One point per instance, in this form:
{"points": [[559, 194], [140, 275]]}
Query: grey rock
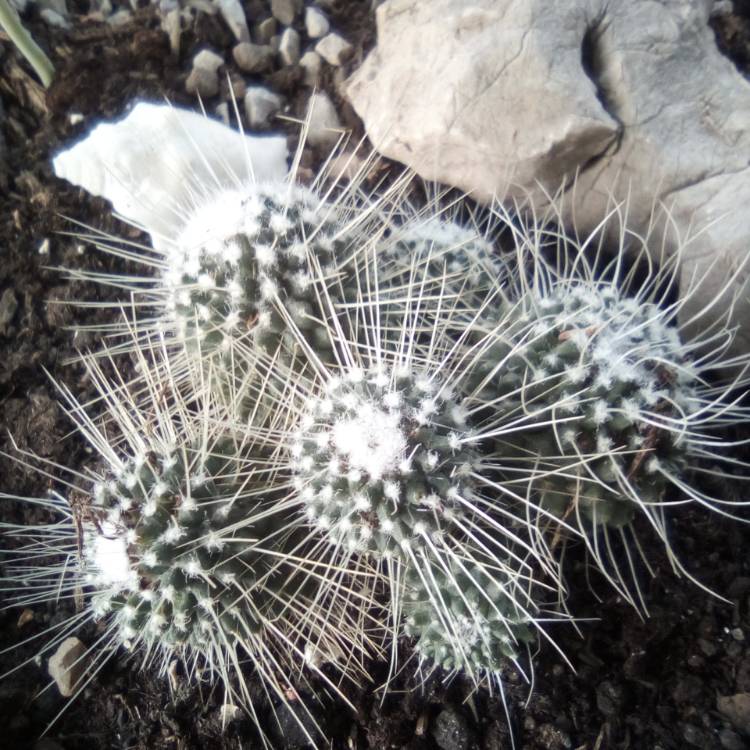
{"points": [[491, 96], [204, 77], [289, 47], [316, 23], [736, 708], [260, 105], [265, 30], [609, 698], [450, 730], [311, 64], [8, 307], [285, 11], [234, 16], [253, 58], [67, 665], [324, 124], [334, 49]]}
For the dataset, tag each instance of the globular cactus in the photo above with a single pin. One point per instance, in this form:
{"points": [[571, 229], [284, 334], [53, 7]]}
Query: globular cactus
{"points": [[611, 383], [188, 544], [465, 618], [241, 252], [383, 459], [442, 253]]}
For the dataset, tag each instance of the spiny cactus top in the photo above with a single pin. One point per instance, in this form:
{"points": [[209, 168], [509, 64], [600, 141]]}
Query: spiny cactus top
{"points": [[610, 378], [466, 260], [464, 619], [159, 544], [241, 251], [383, 459]]}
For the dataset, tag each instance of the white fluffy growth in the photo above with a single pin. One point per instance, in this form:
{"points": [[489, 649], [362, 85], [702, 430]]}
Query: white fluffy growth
{"points": [[372, 441]]}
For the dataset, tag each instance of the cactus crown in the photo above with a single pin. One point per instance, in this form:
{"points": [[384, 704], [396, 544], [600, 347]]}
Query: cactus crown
{"points": [[383, 458], [239, 253]]}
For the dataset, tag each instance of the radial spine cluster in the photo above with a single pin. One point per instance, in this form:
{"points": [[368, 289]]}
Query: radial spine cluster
{"points": [[242, 252], [159, 550], [383, 459], [463, 619]]}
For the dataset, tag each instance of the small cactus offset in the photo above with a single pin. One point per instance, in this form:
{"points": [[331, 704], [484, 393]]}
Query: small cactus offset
{"points": [[463, 619]]}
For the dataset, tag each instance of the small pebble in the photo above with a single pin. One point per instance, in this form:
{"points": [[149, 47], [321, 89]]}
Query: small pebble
{"points": [[311, 64], [265, 30], [67, 665], [253, 58], [284, 11], [260, 104], [316, 24], [289, 47], [324, 124], [738, 635], [8, 307], [204, 77], [222, 110], [234, 16], [333, 48], [450, 730]]}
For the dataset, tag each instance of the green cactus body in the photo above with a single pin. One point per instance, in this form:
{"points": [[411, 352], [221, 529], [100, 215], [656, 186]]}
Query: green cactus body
{"points": [[382, 459], [464, 620], [161, 551], [241, 252], [611, 376], [444, 250]]}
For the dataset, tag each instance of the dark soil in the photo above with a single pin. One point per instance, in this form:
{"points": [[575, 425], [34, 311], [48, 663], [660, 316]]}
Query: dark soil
{"points": [[644, 684]]}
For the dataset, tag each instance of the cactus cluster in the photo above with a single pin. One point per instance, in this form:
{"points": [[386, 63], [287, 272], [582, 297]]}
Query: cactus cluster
{"points": [[424, 421]]}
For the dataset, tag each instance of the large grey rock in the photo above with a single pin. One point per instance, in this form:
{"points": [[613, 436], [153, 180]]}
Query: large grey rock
{"points": [[253, 58], [515, 99], [204, 76]]}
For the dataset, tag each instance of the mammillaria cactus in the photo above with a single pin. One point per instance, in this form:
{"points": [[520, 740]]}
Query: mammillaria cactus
{"points": [[463, 619], [384, 458], [239, 253], [187, 543]]}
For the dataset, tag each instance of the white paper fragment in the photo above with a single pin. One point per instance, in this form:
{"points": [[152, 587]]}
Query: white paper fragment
{"points": [[159, 161]]}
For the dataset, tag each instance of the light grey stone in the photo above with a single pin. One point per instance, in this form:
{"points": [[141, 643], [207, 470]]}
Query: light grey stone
{"points": [[234, 16], [736, 708], [311, 63], [204, 78], [324, 124], [253, 58], [316, 23], [333, 48], [512, 100], [260, 105], [289, 47], [285, 11], [67, 665]]}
